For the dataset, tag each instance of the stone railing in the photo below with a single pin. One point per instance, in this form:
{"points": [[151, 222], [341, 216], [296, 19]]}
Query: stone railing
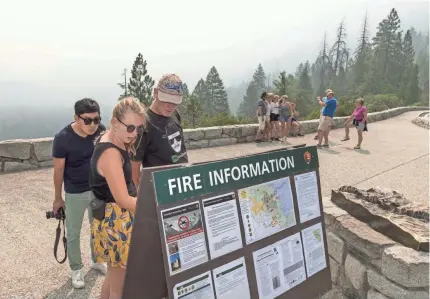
{"points": [[366, 264], [25, 154], [422, 120]]}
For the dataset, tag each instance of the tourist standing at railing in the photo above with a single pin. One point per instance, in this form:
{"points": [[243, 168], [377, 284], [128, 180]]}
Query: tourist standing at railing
{"points": [[326, 120], [71, 151], [295, 125], [274, 118], [261, 116], [359, 119], [284, 117], [269, 104]]}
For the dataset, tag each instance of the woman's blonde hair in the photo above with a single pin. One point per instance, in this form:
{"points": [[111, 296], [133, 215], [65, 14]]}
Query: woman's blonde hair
{"points": [[360, 100], [129, 104]]}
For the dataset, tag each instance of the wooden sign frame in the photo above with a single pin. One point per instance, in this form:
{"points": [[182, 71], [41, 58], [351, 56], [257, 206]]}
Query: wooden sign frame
{"points": [[147, 275]]}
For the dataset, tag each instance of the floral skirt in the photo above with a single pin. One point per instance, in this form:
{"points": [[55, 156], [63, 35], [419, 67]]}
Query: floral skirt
{"points": [[111, 236]]}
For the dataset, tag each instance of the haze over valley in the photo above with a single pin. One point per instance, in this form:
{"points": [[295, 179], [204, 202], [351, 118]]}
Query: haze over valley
{"points": [[52, 55]]}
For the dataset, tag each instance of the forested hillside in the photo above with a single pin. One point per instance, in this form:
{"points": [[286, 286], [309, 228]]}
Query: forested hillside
{"points": [[388, 70]]}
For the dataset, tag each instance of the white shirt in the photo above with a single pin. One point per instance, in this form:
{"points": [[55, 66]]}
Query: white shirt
{"points": [[275, 108], [268, 108]]}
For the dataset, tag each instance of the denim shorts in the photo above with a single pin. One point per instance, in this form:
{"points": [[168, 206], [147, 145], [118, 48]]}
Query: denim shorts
{"points": [[284, 118]]}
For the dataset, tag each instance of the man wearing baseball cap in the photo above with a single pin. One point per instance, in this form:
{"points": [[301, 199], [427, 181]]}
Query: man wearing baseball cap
{"points": [[326, 119], [162, 143]]}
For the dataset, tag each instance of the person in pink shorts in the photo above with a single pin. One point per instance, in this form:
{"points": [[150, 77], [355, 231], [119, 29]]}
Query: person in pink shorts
{"points": [[359, 119]]}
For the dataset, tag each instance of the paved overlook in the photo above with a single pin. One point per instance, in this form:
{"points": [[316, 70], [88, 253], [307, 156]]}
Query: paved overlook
{"points": [[394, 155]]}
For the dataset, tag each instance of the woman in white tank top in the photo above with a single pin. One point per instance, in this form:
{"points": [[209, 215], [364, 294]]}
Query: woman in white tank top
{"points": [[274, 118]]}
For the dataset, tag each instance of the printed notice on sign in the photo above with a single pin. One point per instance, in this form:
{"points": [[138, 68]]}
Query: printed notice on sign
{"points": [[266, 209], [222, 224], [199, 287], [231, 280], [307, 196], [313, 245], [279, 267], [184, 236]]}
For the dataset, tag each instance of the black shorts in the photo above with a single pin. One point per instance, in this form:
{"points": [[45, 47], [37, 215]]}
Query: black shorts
{"points": [[274, 117]]}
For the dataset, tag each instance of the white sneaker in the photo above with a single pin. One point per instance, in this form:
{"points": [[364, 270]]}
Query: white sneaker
{"points": [[102, 267], [78, 279]]}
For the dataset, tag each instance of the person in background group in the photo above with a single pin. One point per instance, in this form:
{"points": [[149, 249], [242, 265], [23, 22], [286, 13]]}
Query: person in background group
{"points": [[326, 119], [359, 120], [111, 182], [284, 117], [269, 104], [294, 122], [323, 99], [71, 151], [274, 118], [261, 116], [163, 141]]}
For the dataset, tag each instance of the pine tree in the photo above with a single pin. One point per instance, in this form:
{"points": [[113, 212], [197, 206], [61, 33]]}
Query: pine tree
{"points": [[259, 77], [215, 100], [299, 71], [248, 106], [193, 109], [200, 91], [141, 84], [186, 91], [281, 84], [305, 89], [423, 74], [338, 50], [408, 49], [322, 69], [181, 108], [413, 89], [362, 53]]}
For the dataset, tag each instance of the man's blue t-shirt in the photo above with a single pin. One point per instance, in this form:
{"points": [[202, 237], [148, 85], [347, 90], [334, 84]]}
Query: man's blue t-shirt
{"points": [[77, 151], [330, 107]]}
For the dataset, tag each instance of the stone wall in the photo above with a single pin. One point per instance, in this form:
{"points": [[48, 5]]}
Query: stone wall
{"points": [[23, 154], [366, 264], [422, 120]]}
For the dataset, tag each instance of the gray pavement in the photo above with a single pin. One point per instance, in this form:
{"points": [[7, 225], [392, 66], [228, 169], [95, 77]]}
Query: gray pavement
{"points": [[394, 155]]}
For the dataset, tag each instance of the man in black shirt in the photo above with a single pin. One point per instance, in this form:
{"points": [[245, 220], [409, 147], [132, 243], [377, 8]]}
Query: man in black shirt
{"points": [[163, 142], [71, 151]]}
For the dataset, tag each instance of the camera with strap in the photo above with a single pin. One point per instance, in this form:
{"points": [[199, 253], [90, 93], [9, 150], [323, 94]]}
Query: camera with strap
{"points": [[60, 216]]}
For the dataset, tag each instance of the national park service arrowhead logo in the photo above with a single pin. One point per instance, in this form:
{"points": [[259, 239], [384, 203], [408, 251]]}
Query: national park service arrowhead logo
{"points": [[308, 157]]}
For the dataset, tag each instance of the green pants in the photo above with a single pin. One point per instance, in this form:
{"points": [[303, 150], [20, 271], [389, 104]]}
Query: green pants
{"points": [[76, 204]]}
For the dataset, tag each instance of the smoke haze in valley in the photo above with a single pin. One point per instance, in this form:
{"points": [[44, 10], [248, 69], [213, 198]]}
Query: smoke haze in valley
{"points": [[53, 53]]}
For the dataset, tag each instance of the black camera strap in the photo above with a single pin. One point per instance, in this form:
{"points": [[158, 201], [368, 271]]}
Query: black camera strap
{"points": [[57, 240]]}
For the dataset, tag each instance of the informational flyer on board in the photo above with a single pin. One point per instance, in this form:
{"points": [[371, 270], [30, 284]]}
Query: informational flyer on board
{"points": [[199, 287], [307, 196], [231, 280], [266, 209], [185, 237], [313, 245], [279, 267], [222, 224]]}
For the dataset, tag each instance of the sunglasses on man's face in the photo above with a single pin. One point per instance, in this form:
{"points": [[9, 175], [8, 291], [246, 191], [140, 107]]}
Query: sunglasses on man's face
{"points": [[88, 120], [131, 128]]}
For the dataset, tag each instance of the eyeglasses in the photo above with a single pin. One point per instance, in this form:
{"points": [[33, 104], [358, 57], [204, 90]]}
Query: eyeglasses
{"points": [[88, 121], [131, 128]]}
